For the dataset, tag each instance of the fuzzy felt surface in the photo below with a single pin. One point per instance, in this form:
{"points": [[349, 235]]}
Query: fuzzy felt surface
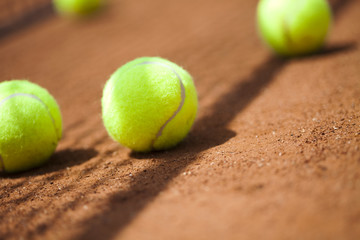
{"points": [[149, 104], [30, 123]]}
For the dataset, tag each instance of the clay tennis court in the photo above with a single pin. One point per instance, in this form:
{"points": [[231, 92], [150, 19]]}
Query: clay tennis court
{"points": [[274, 152]]}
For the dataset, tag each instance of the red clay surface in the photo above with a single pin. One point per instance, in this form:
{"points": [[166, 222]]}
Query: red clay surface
{"points": [[274, 152]]}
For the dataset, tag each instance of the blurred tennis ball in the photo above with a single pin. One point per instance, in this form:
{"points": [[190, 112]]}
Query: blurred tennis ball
{"points": [[77, 7], [30, 123], [294, 27]]}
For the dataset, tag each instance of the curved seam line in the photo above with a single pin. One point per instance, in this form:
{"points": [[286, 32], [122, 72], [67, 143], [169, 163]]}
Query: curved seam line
{"points": [[36, 98], [159, 133], [287, 35]]}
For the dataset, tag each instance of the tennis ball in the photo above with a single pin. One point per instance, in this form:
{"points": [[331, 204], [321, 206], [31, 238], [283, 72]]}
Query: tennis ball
{"points": [[77, 7], [30, 123], [149, 104], [294, 27]]}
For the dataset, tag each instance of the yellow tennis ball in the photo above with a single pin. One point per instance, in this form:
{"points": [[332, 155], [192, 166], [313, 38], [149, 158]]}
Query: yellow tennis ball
{"points": [[294, 27], [77, 7], [149, 104], [30, 123]]}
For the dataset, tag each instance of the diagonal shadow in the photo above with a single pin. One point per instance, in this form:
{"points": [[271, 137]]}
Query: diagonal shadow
{"points": [[338, 6], [209, 131], [26, 19], [58, 161], [332, 50]]}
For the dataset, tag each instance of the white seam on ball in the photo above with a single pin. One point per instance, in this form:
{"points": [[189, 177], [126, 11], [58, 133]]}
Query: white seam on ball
{"points": [[181, 102], [36, 98]]}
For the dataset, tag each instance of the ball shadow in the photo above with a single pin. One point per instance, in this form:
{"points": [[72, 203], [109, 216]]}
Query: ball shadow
{"points": [[26, 18], [331, 50], [60, 160]]}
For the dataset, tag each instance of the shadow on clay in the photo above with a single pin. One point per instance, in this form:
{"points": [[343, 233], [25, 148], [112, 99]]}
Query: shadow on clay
{"points": [[208, 132], [58, 161], [25, 19], [333, 49]]}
